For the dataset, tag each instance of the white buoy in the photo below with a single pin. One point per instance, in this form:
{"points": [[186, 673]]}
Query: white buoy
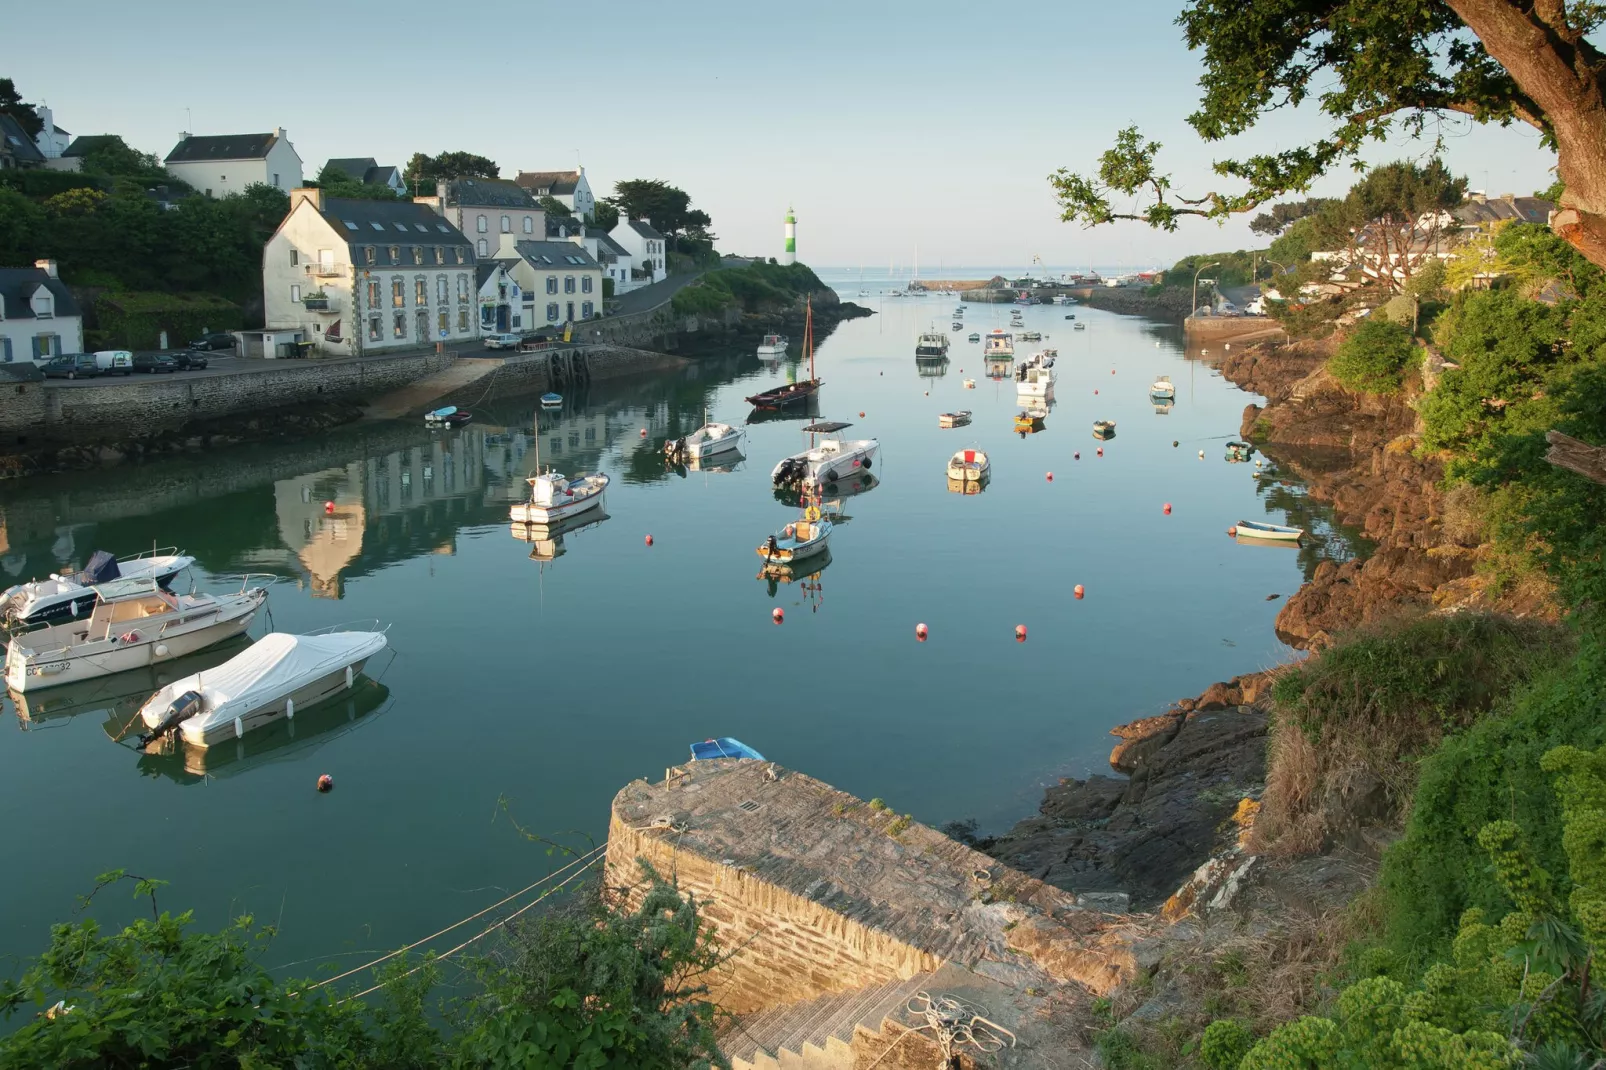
{"points": [[239, 728], [348, 675], [161, 650], [290, 708]]}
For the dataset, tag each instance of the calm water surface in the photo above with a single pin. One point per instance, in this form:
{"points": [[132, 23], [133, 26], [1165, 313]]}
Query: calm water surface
{"points": [[551, 681]]}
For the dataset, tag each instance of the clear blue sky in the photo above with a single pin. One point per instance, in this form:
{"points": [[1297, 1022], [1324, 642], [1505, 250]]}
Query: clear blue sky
{"points": [[890, 125]]}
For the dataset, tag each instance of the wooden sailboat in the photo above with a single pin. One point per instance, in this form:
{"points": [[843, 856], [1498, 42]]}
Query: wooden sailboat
{"points": [[785, 397]]}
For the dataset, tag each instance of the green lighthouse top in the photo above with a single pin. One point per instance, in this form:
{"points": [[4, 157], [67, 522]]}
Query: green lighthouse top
{"points": [[790, 218]]}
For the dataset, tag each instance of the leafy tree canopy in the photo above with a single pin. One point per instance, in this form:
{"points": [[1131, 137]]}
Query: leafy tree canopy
{"points": [[669, 208], [12, 104], [422, 168], [1372, 68], [1283, 216], [338, 183], [553, 207]]}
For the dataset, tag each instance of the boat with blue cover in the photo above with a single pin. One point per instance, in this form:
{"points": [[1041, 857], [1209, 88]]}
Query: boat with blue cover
{"points": [[723, 747], [551, 401]]}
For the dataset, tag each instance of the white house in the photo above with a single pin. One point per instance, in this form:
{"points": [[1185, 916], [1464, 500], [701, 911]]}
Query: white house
{"points": [[52, 139], [38, 317], [501, 299], [645, 246], [614, 259], [359, 276], [489, 210], [221, 164], [366, 170], [569, 188], [560, 282]]}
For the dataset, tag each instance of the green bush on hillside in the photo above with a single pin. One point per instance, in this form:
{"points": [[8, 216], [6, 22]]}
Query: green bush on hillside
{"points": [[1375, 356]]}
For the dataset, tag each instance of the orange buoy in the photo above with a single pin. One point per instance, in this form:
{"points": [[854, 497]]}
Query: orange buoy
{"points": [[1020, 633], [1112, 371], [329, 508], [1050, 477], [777, 614], [1167, 513], [649, 537], [1079, 590], [920, 632], [861, 415], [325, 782], [1233, 531]]}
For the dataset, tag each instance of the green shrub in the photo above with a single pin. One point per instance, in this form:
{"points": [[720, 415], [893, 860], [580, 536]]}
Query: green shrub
{"points": [[136, 320], [1374, 358], [1225, 1043]]}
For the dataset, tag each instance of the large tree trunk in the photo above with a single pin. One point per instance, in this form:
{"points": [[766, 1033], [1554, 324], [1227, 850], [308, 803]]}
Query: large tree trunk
{"points": [[1561, 73]]}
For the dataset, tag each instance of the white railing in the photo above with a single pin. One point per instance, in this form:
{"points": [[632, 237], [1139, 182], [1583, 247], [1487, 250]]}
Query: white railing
{"points": [[326, 269]]}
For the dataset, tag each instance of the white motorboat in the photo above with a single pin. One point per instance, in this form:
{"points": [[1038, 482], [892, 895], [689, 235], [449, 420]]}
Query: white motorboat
{"points": [[1162, 388], [129, 628], [833, 459], [273, 678], [969, 465], [703, 443], [1000, 346], [970, 384], [773, 345], [62, 598], [554, 497], [799, 540], [1035, 378], [954, 419]]}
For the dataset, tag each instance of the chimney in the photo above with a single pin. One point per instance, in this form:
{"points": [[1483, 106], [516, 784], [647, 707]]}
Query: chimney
{"points": [[306, 194], [279, 133], [1508, 197], [1477, 197], [47, 266]]}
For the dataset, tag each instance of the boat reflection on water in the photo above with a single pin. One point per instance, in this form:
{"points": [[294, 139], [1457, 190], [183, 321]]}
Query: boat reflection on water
{"points": [[998, 369], [1163, 406], [281, 741], [546, 542], [859, 483], [805, 574], [720, 462], [809, 409], [931, 367], [120, 695], [968, 486]]}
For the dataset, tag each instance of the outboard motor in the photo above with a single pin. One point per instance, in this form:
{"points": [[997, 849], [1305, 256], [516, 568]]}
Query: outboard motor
{"points": [[182, 709]]}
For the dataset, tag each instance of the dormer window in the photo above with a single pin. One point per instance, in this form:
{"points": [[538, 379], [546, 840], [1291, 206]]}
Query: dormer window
{"points": [[44, 304]]}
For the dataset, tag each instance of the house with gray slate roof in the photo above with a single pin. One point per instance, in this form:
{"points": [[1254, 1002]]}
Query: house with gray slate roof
{"points": [[39, 318], [646, 246], [220, 164], [17, 149], [365, 170], [490, 211], [560, 282], [569, 188]]}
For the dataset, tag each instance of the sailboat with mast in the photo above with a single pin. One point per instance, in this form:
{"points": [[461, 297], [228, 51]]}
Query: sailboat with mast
{"points": [[792, 394], [554, 497]]}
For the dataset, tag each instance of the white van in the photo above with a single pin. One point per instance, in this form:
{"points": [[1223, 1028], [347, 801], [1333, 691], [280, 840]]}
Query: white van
{"points": [[110, 361]]}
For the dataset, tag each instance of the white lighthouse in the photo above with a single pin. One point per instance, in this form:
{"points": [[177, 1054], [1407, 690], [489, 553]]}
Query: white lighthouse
{"points": [[789, 253]]}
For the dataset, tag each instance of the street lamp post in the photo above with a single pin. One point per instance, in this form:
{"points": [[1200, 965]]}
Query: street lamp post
{"points": [[1194, 307]]}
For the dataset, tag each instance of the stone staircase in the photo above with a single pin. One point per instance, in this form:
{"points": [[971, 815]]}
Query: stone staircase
{"points": [[816, 1034]]}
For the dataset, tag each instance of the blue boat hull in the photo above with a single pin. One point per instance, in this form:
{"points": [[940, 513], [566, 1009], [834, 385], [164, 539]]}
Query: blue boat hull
{"points": [[724, 747]]}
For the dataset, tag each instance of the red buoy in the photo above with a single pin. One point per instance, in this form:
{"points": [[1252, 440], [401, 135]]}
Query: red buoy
{"points": [[1076, 456], [326, 782], [643, 432], [1233, 531], [649, 537], [1095, 391], [1101, 451], [1051, 477], [329, 508], [1020, 633], [1112, 371], [1078, 590], [1167, 509], [777, 614], [861, 415], [920, 632]]}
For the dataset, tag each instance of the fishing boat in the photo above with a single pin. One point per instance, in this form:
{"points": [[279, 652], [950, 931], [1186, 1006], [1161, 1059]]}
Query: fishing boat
{"points": [[1104, 429], [798, 540], [130, 627], [974, 337], [1031, 336], [723, 747], [970, 384], [958, 325], [1162, 388], [1254, 529], [954, 419], [832, 459], [773, 345], [932, 344], [551, 401], [450, 416], [707, 440], [1000, 345], [784, 397], [70, 597], [555, 497], [970, 465], [1035, 378], [272, 678]]}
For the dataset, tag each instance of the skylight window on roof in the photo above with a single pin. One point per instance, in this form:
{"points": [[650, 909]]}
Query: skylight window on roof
{"points": [[402, 227], [349, 224], [442, 228], [377, 226], [420, 228]]}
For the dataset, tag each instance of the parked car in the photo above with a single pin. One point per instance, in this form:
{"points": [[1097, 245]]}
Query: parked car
{"points": [[71, 366], [501, 341], [154, 362], [188, 359], [114, 360], [215, 340]]}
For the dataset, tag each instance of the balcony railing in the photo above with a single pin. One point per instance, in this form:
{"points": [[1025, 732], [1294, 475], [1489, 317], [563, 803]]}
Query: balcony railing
{"points": [[326, 269], [319, 303]]}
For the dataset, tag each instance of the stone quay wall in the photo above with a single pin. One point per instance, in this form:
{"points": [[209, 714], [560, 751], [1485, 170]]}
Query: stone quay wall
{"points": [[794, 949], [1231, 328], [149, 403]]}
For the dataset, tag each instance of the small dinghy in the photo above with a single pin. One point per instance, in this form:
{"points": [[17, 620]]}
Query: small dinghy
{"points": [[954, 419], [1030, 421], [129, 628], [270, 679], [799, 540], [773, 345], [970, 384], [1254, 529], [969, 466], [1078, 326], [554, 497], [450, 416], [551, 401], [61, 598], [723, 747], [703, 443], [1238, 452], [974, 337], [1104, 429], [1162, 388]]}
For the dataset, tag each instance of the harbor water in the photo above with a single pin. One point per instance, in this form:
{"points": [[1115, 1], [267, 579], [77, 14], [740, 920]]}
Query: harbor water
{"points": [[527, 682]]}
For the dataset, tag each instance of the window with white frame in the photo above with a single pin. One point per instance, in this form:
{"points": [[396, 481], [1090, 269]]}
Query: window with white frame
{"points": [[551, 284], [443, 292], [421, 290], [375, 327], [399, 325], [552, 312], [44, 304], [507, 225], [479, 248], [373, 293], [462, 321], [529, 224], [295, 257], [441, 322], [480, 225], [295, 293], [440, 255], [398, 291]]}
